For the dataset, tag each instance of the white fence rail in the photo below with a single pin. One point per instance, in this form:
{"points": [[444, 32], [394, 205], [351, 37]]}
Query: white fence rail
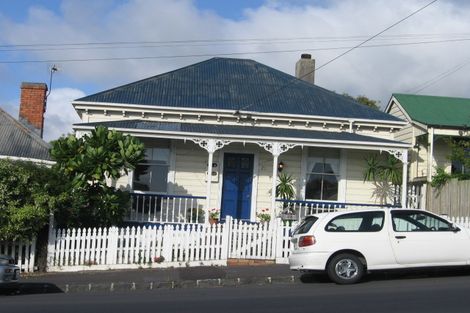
{"points": [[157, 208], [166, 245], [24, 253]]}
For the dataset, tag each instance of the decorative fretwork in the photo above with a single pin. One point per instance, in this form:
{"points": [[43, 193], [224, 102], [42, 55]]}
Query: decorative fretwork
{"points": [[401, 155], [211, 145], [276, 148]]}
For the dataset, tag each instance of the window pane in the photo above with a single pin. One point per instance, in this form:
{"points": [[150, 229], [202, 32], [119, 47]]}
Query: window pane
{"points": [[315, 165], [231, 162], [417, 221], [313, 187], [245, 163], [357, 222], [330, 187], [161, 155], [142, 177], [332, 166], [322, 174], [159, 179]]}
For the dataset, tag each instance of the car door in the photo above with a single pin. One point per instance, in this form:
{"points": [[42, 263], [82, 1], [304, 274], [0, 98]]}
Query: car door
{"points": [[423, 239], [365, 232]]}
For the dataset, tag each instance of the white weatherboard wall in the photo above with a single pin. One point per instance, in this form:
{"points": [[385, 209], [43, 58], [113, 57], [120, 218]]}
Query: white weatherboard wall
{"points": [[358, 191]]}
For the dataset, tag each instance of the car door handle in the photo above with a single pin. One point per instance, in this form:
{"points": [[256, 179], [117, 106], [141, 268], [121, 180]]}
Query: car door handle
{"points": [[400, 237]]}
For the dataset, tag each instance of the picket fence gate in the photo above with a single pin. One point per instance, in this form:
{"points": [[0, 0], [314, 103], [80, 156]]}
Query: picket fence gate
{"points": [[24, 253], [167, 245]]}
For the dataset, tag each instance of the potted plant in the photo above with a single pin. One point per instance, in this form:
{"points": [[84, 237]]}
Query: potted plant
{"points": [[264, 216], [214, 215]]}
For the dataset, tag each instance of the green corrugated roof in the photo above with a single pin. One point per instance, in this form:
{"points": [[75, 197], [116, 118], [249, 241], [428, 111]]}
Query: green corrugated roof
{"points": [[436, 111]]}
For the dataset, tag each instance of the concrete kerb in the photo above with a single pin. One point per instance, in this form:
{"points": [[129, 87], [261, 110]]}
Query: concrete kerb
{"points": [[200, 283]]}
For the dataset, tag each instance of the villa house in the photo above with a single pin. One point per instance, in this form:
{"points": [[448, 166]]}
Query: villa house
{"points": [[430, 120], [218, 132]]}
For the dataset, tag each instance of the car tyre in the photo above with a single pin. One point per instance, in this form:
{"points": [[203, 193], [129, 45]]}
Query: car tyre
{"points": [[345, 268]]}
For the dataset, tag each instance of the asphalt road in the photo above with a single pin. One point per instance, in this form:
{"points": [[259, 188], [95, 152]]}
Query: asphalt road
{"points": [[445, 294]]}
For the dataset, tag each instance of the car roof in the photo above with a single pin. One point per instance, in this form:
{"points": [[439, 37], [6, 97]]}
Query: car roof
{"points": [[345, 211]]}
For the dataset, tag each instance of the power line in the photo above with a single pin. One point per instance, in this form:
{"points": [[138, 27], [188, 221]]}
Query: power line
{"points": [[341, 55], [374, 36], [230, 53], [186, 41], [438, 78], [261, 42]]}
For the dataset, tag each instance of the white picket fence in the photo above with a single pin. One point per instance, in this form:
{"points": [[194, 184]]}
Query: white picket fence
{"points": [[166, 245], [461, 221], [24, 253]]}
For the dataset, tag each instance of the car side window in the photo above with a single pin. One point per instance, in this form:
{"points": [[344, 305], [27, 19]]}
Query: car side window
{"points": [[407, 221], [357, 222]]}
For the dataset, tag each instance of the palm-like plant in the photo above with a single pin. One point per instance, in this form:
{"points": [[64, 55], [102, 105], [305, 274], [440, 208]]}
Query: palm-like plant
{"points": [[383, 174], [285, 187], [285, 190]]}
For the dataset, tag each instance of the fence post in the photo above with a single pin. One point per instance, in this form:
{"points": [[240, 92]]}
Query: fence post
{"points": [[168, 239], [279, 235], [111, 250], [51, 240], [32, 255], [226, 238]]}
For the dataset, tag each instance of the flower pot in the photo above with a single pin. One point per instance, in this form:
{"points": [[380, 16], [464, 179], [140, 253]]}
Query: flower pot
{"points": [[213, 220]]}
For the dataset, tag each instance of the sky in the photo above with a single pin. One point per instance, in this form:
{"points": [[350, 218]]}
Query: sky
{"points": [[426, 54]]}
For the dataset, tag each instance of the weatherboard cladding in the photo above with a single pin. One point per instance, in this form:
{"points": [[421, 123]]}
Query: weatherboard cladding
{"points": [[228, 130], [16, 140], [237, 84], [436, 111]]}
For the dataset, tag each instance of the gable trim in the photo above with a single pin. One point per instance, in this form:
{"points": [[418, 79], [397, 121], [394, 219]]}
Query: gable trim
{"points": [[81, 105]]}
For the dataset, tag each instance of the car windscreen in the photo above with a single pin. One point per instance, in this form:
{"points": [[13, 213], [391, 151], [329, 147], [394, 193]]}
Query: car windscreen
{"points": [[305, 225]]}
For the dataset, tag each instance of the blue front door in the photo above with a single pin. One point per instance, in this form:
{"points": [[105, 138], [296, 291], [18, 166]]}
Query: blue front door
{"points": [[237, 185]]}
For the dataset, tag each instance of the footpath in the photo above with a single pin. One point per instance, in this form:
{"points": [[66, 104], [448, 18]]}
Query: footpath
{"points": [[149, 279]]}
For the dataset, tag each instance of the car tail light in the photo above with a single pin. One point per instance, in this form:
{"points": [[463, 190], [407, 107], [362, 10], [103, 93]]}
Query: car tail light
{"points": [[305, 241], [8, 270]]}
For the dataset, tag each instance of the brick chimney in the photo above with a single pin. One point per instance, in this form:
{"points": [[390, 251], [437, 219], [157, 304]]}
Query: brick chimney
{"points": [[33, 106], [305, 68]]}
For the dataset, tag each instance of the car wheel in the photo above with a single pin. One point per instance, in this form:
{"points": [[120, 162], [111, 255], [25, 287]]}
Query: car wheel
{"points": [[345, 269]]}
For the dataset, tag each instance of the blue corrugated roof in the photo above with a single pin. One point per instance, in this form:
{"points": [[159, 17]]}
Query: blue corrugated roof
{"points": [[233, 84], [227, 130], [16, 140]]}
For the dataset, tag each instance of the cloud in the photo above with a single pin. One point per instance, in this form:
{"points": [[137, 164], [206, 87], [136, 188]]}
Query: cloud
{"points": [[375, 72], [60, 115]]}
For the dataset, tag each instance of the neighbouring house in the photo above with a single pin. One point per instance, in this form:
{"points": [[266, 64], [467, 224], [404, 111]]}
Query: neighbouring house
{"points": [[430, 120], [218, 132], [22, 139]]}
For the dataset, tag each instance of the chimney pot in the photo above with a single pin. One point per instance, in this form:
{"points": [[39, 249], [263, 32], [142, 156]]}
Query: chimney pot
{"points": [[306, 56]]}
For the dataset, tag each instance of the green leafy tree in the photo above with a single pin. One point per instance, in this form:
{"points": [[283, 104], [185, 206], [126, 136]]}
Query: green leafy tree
{"points": [[365, 100], [28, 193], [460, 152], [89, 163]]}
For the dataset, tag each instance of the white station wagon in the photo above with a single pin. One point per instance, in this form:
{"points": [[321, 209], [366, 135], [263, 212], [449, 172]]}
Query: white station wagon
{"points": [[347, 244]]}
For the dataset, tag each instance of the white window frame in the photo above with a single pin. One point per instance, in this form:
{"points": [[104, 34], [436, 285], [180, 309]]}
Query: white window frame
{"points": [[341, 175], [170, 175]]}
